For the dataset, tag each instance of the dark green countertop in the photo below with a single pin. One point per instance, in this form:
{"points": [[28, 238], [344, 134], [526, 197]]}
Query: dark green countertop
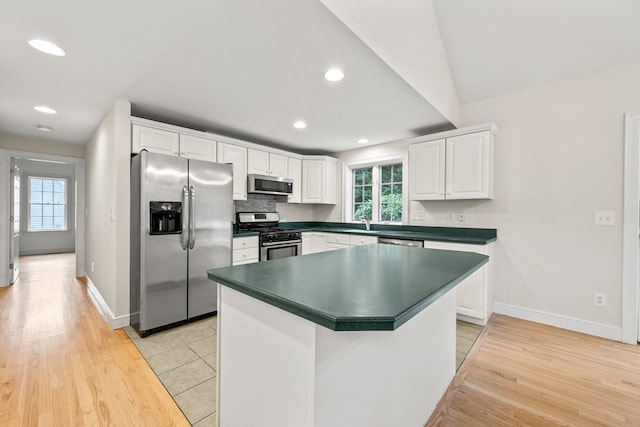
{"points": [[362, 288], [474, 236]]}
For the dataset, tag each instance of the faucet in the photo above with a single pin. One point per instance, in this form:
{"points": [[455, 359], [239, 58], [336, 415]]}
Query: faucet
{"points": [[367, 223]]}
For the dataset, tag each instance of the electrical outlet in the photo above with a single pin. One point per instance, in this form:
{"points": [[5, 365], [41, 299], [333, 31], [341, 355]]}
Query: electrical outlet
{"points": [[604, 218], [462, 217], [418, 215], [600, 299], [451, 216], [92, 267]]}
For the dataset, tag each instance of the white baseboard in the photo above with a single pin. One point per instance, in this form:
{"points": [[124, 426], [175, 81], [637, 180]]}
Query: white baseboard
{"points": [[103, 308], [576, 325]]}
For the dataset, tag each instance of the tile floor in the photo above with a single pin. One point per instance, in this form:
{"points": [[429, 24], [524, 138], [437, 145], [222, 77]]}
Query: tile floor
{"points": [[184, 359]]}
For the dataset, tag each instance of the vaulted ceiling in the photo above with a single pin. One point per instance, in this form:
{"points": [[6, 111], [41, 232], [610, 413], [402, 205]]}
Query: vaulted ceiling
{"points": [[251, 68]]}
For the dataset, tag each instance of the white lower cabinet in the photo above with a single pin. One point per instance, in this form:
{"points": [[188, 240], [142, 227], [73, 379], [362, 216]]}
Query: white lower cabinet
{"points": [[474, 299], [359, 240], [245, 250], [313, 242], [337, 241]]}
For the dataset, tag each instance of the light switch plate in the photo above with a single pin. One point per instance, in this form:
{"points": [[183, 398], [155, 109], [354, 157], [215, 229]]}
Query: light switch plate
{"points": [[418, 215], [604, 218]]}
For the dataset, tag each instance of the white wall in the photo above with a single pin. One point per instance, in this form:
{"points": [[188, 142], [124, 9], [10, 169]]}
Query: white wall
{"points": [[46, 242], [107, 220], [559, 158]]}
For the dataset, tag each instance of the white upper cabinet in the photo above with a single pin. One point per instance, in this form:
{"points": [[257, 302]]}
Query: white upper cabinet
{"points": [[236, 155], [319, 180], [154, 140], [458, 165], [172, 143], [426, 170], [470, 166], [294, 172], [193, 147], [265, 163]]}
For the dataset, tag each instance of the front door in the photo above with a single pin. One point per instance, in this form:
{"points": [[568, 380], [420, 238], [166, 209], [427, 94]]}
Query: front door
{"points": [[14, 224]]}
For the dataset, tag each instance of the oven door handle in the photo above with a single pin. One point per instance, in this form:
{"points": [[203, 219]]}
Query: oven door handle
{"points": [[281, 243]]}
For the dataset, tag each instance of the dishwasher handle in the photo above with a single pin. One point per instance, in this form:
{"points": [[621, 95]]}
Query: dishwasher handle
{"points": [[401, 242]]}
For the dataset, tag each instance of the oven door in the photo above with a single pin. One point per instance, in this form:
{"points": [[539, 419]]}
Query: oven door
{"points": [[275, 250]]}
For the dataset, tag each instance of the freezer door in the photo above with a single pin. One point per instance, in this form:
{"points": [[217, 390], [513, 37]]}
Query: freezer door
{"points": [[163, 277], [211, 187]]}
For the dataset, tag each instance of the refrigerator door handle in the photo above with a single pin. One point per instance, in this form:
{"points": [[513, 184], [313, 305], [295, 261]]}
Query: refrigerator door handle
{"points": [[192, 217], [185, 216]]}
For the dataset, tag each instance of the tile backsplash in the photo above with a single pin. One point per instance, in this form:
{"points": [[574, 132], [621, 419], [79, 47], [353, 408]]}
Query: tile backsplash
{"points": [[271, 203]]}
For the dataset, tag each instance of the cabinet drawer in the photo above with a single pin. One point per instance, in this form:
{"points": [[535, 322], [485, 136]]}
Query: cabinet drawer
{"points": [[335, 246], [341, 239], [245, 242], [241, 255], [356, 240]]}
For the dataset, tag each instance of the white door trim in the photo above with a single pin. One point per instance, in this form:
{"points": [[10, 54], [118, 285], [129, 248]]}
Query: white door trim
{"points": [[5, 158], [631, 230]]}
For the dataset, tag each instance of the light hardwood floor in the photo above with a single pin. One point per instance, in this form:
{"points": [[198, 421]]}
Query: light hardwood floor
{"points": [[61, 364], [521, 373]]}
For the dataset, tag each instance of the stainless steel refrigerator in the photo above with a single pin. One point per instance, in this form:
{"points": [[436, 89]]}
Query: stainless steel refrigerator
{"points": [[181, 213]]}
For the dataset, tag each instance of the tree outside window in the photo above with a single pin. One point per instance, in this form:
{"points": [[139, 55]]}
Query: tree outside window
{"points": [[377, 193]]}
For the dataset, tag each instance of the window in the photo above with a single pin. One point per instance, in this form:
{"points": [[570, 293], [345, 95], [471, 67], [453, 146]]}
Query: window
{"points": [[374, 190], [47, 204]]}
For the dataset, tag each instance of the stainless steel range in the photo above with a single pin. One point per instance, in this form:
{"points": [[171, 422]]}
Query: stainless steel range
{"points": [[275, 242]]}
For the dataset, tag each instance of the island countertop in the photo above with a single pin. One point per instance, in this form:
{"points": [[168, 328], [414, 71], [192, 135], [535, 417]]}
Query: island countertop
{"points": [[362, 288]]}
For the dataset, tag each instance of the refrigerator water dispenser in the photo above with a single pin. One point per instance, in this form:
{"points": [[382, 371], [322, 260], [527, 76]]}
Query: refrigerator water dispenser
{"points": [[166, 217]]}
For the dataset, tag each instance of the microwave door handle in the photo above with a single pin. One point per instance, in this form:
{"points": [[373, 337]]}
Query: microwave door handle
{"points": [[185, 220], [192, 217]]}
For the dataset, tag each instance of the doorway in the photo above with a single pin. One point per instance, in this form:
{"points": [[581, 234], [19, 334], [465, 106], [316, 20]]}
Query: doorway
{"points": [[11, 251]]}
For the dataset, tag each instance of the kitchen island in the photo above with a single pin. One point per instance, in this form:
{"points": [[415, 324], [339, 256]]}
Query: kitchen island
{"points": [[363, 336]]}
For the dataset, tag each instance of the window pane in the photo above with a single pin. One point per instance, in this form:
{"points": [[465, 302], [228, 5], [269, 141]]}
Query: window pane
{"points": [[358, 175], [357, 194], [58, 186], [36, 197], [368, 193], [368, 176], [36, 223], [47, 210], [58, 222], [47, 222], [385, 190], [36, 184], [36, 210], [58, 210], [385, 174], [397, 189], [47, 185], [58, 198], [397, 173], [47, 197]]}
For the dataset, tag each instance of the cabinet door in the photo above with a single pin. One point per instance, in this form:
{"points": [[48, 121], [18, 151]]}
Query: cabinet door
{"points": [[330, 181], [312, 181], [258, 162], [469, 166], [228, 153], [193, 147], [278, 165], [154, 140], [470, 294], [313, 243], [295, 173], [427, 170]]}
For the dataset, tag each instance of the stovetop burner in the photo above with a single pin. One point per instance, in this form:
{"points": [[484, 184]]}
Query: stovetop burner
{"points": [[266, 223]]}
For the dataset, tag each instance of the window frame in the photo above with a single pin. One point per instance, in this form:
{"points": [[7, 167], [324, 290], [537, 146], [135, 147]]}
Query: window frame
{"points": [[66, 180], [347, 179]]}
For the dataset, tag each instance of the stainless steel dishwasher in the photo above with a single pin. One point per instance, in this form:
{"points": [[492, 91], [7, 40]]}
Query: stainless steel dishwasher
{"points": [[401, 242]]}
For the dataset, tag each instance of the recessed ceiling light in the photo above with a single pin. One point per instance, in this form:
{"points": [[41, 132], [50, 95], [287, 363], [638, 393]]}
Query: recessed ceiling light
{"points": [[44, 109], [363, 141], [334, 75], [299, 125], [47, 47], [44, 128]]}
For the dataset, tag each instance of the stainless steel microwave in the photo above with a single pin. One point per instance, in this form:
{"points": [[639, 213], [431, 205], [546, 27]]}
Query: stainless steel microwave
{"points": [[265, 184]]}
